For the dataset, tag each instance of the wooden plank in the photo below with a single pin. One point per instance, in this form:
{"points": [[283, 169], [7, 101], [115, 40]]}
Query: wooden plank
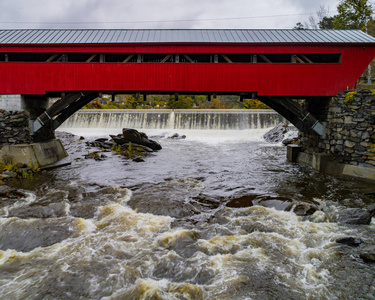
{"points": [[265, 58], [166, 58], [226, 58], [299, 60], [188, 58], [52, 57], [130, 56], [306, 58], [92, 57]]}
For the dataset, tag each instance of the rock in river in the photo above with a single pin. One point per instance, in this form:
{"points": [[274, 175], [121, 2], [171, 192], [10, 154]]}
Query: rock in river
{"points": [[368, 253], [355, 216], [350, 241], [134, 136], [304, 209]]}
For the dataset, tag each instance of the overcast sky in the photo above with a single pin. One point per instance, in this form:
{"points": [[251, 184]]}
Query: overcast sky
{"points": [[158, 13]]}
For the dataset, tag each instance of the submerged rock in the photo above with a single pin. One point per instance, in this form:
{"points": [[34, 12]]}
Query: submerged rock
{"points": [[350, 241], [368, 253], [4, 190], [7, 192], [355, 216], [304, 209], [371, 210], [176, 136]]}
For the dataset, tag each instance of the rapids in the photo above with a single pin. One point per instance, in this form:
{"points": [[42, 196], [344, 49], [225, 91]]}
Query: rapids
{"points": [[163, 229]]}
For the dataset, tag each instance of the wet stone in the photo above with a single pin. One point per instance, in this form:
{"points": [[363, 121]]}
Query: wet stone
{"points": [[368, 253], [244, 201], [304, 209], [5, 190], [276, 135], [371, 210], [350, 241], [354, 216]]}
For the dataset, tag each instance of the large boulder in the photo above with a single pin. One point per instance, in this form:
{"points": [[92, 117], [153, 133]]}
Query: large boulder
{"points": [[276, 135], [134, 136], [355, 216]]}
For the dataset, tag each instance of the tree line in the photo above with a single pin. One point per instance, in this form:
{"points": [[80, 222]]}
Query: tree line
{"points": [[351, 14], [170, 102]]}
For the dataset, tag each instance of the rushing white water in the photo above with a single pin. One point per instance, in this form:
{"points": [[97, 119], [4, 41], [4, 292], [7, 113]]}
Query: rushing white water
{"points": [[174, 119], [165, 229]]}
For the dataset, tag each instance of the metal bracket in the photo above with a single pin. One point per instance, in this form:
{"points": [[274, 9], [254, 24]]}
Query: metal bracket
{"points": [[318, 128]]}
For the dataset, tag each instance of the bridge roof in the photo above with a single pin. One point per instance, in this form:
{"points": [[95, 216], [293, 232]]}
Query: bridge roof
{"points": [[157, 36]]}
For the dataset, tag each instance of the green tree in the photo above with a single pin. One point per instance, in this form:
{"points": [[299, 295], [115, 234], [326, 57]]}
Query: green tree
{"points": [[299, 26], [327, 23], [353, 14], [183, 102]]}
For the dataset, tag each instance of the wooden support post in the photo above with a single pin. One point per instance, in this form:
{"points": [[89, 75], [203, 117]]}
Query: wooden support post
{"points": [[91, 57], [188, 58], [241, 98], [226, 58], [255, 58], [216, 58], [177, 58], [166, 58], [6, 57], [139, 58], [129, 57], [297, 59], [52, 57], [265, 58], [176, 97], [102, 57], [306, 58]]}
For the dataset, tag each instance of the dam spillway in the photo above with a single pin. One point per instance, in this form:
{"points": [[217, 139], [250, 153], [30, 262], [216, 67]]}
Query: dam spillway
{"points": [[195, 119]]}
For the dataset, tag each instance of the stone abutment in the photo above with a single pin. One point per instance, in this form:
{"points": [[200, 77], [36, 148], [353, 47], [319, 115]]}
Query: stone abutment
{"points": [[348, 142]]}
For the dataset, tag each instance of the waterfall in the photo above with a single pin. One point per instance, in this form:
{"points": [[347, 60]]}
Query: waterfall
{"points": [[217, 119]]}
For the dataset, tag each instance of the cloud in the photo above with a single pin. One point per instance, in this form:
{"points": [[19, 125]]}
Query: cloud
{"points": [[157, 14]]}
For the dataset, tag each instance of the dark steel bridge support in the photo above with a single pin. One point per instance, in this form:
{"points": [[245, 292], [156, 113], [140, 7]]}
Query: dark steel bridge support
{"points": [[61, 110], [304, 119]]}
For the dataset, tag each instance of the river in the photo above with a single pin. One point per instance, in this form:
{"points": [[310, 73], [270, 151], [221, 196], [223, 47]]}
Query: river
{"points": [[206, 217]]}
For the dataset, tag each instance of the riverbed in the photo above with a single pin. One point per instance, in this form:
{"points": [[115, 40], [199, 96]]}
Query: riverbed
{"points": [[206, 217]]}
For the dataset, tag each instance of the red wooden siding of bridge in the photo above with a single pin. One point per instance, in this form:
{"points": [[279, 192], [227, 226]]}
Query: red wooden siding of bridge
{"points": [[267, 79]]}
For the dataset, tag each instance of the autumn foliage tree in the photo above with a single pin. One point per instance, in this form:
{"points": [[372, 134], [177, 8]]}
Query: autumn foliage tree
{"points": [[353, 14]]}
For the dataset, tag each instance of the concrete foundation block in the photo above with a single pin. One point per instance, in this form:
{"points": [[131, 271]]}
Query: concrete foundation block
{"points": [[319, 161], [43, 154], [11, 102], [292, 152]]}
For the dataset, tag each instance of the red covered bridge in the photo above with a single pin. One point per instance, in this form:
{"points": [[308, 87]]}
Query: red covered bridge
{"points": [[275, 65]]}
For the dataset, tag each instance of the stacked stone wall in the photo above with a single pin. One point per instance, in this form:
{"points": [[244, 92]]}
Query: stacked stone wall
{"points": [[350, 129], [14, 127]]}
